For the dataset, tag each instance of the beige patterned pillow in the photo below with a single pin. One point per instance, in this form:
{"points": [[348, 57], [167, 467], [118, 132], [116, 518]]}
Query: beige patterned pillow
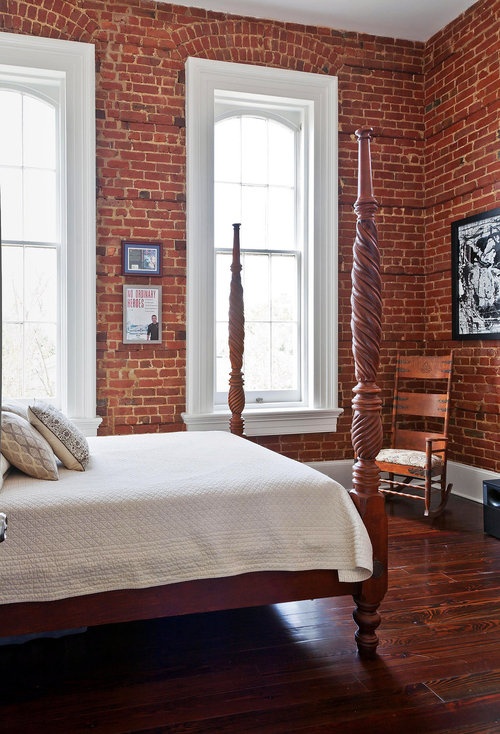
{"points": [[26, 449], [67, 441]]}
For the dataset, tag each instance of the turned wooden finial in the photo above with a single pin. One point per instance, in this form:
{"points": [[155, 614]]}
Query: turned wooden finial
{"points": [[236, 396]]}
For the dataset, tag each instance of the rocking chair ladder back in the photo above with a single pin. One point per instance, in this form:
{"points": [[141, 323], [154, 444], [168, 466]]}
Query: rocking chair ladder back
{"points": [[418, 453]]}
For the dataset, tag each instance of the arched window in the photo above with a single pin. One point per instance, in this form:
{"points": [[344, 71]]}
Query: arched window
{"points": [[261, 151], [47, 178], [258, 183], [30, 184]]}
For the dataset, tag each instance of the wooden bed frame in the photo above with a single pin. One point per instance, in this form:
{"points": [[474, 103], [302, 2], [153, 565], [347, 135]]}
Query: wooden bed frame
{"points": [[255, 589]]}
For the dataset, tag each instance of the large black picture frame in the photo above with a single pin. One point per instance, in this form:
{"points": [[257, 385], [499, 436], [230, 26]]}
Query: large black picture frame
{"points": [[475, 260]]}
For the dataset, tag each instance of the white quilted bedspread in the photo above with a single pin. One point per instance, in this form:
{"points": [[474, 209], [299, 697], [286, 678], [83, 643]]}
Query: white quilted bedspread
{"points": [[161, 508]]}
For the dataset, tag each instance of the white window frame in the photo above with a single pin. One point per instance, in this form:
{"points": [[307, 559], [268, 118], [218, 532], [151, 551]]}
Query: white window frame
{"points": [[203, 79], [75, 62]]}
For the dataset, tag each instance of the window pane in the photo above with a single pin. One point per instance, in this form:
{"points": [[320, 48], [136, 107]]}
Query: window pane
{"points": [[254, 217], [39, 122], [281, 219], [227, 150], [256, 287], [40, 360], [284, 287], [284, 357], [222, 285], [29, 360], [40, 284], [227, 211], [11, 185], [257, 356], [222, 289], [222, 365], [254, 151], [29, 321], [281, 154], [40, 211], [12, 360], [12, 283], [10, 125]]}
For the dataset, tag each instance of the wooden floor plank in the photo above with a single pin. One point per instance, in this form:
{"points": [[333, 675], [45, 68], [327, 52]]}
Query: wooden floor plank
{"points": [[292, 667]]}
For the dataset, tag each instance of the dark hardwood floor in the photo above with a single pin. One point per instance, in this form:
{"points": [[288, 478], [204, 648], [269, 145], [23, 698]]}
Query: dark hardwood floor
{"points": [[293, 667]]}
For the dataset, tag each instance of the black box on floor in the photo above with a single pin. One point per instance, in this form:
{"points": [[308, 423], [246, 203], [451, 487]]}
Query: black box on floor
{"points": [[491, 507]]}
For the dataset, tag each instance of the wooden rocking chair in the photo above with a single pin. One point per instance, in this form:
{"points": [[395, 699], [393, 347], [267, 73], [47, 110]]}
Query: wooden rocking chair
{"points": [[416, 461]]}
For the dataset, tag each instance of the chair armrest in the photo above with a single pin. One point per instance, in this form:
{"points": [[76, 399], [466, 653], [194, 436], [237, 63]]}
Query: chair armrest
{"points": [[436, 446]]}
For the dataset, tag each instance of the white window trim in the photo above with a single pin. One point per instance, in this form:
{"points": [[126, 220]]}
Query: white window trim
{"points": [[203, 78], [76, 61]]}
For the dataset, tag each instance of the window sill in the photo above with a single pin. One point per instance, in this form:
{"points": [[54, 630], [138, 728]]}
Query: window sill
{"points": [[275, 422], [88, 426]]}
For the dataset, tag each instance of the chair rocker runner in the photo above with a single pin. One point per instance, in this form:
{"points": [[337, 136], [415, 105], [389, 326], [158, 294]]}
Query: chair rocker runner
{"points": [[417, 459]]}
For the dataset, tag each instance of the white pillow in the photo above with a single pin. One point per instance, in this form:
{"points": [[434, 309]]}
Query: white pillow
{"points": [[26, 449], [4, 468], [17, 408], [67, 441], [4, 465]]}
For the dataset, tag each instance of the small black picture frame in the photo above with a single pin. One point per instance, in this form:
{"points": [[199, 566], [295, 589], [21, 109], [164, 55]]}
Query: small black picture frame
{"points": [[475, 270], [141, 258]]}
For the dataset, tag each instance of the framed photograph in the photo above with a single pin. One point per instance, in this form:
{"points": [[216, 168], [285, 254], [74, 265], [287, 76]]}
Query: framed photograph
{"points": [[475, 281], [141, 314], [141, 258]]}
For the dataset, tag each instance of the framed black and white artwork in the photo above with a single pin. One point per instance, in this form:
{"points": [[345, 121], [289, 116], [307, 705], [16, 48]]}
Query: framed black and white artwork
{"points": [[475, 262]]}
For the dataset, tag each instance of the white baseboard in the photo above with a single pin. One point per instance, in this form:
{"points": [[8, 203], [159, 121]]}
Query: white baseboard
{"points": [[467, 480]]}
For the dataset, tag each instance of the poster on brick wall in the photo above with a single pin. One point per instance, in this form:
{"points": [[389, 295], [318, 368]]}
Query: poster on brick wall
{"points": [[141, 314], [476, 276]]}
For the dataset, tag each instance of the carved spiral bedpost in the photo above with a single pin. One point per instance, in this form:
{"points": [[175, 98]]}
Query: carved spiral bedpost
{"points": [[366, 303], [236, 396]]}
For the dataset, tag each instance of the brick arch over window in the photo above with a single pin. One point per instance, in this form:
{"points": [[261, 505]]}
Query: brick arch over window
{"points": [[240, 41], [56, 19], [255, 42]]}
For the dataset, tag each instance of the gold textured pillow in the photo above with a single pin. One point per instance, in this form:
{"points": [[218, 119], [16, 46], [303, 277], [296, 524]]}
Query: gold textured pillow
{"points": [[26, 449], [67, 441]]}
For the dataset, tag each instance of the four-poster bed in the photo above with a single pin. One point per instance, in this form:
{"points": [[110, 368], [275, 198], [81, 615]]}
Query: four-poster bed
{"points": [[244, 586]]}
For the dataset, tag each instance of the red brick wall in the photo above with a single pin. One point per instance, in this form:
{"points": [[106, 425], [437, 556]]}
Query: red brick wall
{"points": [[141, 48], [462, 177]]}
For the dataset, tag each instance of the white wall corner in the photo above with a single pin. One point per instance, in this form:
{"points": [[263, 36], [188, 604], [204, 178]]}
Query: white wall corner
{"points": [[340, 470], [467, 480]]}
